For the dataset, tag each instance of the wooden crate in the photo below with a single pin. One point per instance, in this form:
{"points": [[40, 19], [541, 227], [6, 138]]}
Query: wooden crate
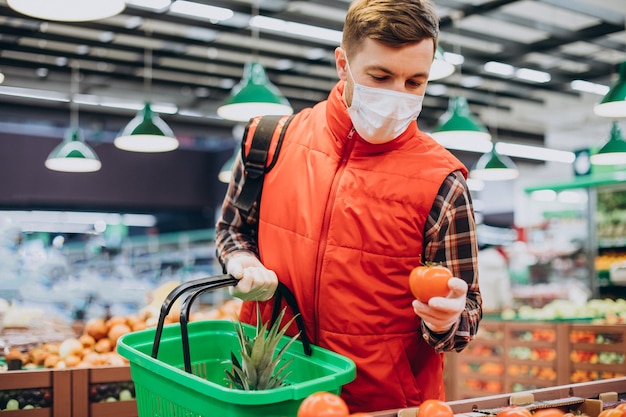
{"points": [[595, 352], [84, 379], [542, 362], [591, 392], [59, 382], [480, 368], [535, 355]]}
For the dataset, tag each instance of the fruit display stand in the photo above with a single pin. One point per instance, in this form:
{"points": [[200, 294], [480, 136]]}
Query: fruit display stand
{"points": [[588, 398], [596, 352], [480, 368], [45, 393], [78, 392], [513, 356], [103, 392]]}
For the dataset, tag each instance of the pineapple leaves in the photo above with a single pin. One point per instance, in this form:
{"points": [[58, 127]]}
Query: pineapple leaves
{"points": [[259, 359]]}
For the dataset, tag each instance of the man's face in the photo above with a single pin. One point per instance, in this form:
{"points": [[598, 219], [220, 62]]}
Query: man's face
{"points": [[402, 69]]}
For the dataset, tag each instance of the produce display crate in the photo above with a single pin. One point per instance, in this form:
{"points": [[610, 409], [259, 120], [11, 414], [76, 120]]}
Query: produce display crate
{"points": [[54, 384], [96, 392], [589, 398], [163, 388], [534, 355], [480, 368], [596, 352], [513, 356]]}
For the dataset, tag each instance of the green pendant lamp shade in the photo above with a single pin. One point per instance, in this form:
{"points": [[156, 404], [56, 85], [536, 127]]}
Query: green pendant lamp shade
{"points": [[440, 67], [458, 124], [147, 132], [73, 155], [613, 104], [226, 172], [68, 10], [254, 96], [614, 151], [494, 167]]}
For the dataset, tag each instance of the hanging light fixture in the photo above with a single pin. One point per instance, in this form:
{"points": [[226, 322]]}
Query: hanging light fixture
{"points": [[440, 67], [614, 151], [493, 166], [613, 104], [255, 95], [459, 124], [147, 132], [68, 10], [226, 172], [73, 154]]}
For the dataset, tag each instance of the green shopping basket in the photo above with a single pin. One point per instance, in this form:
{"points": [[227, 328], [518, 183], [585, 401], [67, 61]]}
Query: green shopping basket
{"points": [[179, 369]]}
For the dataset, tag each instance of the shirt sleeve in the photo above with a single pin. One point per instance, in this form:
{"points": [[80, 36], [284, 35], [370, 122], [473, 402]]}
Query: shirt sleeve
{"points": [[235, 230], [450, 239]]}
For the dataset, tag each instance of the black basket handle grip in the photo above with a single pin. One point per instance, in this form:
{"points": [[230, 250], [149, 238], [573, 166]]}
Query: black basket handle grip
{"points": [[202, 285], [284, 291], [209, 283]]}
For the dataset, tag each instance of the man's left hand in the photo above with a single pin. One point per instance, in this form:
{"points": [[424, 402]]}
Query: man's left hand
{"points": [[441, 313]]}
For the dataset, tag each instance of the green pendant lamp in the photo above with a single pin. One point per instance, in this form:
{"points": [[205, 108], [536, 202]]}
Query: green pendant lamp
{"points": [[613, 104], [73, 154], [440, 67], [68, 10], [147, 132], [458, 124], [614, 151], [492, 166], [226, 172], [254, 96]]}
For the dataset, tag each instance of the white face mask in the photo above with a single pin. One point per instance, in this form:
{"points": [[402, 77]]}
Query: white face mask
{"points": [[380, 115]]}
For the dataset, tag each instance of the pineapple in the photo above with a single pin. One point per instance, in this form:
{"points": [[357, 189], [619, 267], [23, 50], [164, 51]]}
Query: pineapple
{"points": [[257, 370]]}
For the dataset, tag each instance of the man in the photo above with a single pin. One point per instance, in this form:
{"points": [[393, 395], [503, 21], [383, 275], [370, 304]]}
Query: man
{"points": [[357, 199]]}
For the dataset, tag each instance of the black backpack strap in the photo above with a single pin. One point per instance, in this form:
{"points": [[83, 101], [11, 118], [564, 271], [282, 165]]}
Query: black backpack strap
{"points": [[255, 163]]}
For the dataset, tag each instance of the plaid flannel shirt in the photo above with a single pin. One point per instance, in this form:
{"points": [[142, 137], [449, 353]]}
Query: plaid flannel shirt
{"points": [[450, 238]]}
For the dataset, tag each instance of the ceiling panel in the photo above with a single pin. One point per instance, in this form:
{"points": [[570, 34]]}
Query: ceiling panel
{"points": [[196, 61]]}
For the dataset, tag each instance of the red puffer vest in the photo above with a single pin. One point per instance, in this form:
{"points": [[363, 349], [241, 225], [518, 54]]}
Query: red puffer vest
{"points": [[341, 223]]}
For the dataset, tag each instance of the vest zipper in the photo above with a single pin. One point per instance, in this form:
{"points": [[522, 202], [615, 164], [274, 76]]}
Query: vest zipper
{"points": [[321, 249]]}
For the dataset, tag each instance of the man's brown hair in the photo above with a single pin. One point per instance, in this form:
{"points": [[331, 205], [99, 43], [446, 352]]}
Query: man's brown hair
{"points": [[394, 23]]}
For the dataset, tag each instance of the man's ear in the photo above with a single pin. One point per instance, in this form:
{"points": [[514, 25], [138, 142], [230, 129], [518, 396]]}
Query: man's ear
{"points": [[341, 63]]}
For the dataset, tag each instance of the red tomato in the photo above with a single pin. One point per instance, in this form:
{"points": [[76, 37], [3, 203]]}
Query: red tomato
{"points": [[549, 412], [429, 281], [611, 412], [434, 408], [323, 404], [360, 415], [514, 412]]}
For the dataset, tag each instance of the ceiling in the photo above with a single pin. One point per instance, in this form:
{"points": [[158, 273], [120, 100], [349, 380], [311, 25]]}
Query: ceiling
{"points": [[195, 62]]}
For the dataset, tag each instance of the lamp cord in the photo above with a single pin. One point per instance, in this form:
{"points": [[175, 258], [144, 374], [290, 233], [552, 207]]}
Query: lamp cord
{"points": [[255, 31], [74, 80], [147, 74]]}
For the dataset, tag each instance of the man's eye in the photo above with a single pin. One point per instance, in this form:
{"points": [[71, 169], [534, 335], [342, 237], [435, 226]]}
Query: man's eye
{"points": [[379, 78]]}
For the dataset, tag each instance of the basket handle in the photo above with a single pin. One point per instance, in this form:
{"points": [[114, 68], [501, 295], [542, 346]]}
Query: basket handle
{"points": [[281, 291], [284, 291], [207, 283]]}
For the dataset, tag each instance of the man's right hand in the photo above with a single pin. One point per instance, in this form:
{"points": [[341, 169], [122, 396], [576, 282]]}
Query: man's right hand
{"points": [[255, 281]]}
